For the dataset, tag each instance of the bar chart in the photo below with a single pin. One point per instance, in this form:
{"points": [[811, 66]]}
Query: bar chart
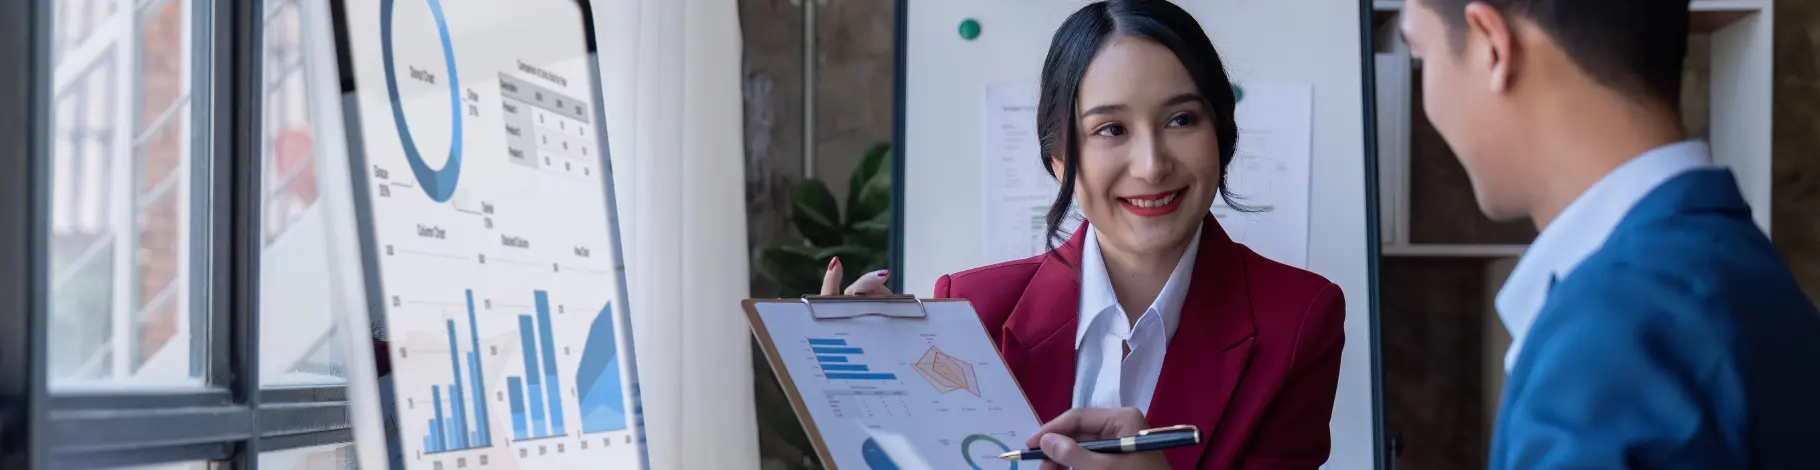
{"points": [[537, 411], [838, 361], [452, 431]]}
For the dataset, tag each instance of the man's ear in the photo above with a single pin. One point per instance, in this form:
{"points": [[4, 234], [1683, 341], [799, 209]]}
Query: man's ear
{"points": [[1490, 44]]}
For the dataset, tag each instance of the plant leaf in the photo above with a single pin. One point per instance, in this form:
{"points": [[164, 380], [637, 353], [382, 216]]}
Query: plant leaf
{"points": [[875, 196], [879, 224], [875, 162], [846, 252], [874, 233], [813, 209], [869, 199], [792, 270]]}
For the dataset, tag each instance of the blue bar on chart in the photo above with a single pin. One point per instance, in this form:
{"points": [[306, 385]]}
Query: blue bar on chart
{"points": [[533, 379], [436, 425], [459, 427], [821, 350], [862, 376], [516, 390], [462, 427], [839, 362], [451, 434], [552, 387], [483, 435], [435, 438]]}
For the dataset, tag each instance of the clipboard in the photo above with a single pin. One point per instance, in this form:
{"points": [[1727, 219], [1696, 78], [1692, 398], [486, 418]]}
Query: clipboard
{"points": [[972, 382]]}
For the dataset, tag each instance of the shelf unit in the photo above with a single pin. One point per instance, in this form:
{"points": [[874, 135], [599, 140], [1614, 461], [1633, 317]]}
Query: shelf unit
{"points": [[1739, 110]]}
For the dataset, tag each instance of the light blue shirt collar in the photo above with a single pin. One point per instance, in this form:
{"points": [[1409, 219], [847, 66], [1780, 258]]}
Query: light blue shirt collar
{"points": [[1581, 228], [1098, 299]]}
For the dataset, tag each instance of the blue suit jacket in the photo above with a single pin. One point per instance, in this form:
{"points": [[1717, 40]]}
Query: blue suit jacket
{"points": [[1683, 342]]}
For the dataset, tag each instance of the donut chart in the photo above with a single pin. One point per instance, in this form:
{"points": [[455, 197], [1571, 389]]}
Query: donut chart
{"points": [[967, 450], [438, 184]]}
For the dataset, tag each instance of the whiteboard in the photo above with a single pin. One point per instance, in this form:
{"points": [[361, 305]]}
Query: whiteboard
{"points": [[483, 193], [1306, 42]]}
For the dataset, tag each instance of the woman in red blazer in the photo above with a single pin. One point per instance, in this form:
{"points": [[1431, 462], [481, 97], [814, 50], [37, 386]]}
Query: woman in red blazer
{"points": [[1149, 304]]}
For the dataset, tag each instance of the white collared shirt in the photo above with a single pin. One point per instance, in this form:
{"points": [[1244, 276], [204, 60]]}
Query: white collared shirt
{"points": [[1102, 379], [1581, 228]]}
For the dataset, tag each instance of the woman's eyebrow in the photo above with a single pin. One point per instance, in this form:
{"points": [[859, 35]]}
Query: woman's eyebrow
{"points": [[1104, 109], [1172, 101], [1185, 98]]}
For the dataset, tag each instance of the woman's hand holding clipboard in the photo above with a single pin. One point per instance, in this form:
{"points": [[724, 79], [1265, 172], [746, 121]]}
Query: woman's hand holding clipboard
{"points": [[871, 284], [1058, 438]]}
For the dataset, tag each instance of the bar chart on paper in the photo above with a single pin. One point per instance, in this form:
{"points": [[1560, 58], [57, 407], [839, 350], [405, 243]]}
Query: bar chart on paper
{"points": [[840, 361], [924, 379], [524, 371], [461, 427], [536, 397]]}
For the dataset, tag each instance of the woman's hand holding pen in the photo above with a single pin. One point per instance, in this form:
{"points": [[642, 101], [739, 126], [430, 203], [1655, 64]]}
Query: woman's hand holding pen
{"points": [[1059, 440], [872, 283]]}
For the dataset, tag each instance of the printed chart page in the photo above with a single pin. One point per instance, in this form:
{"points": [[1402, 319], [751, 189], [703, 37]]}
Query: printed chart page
{"points": [[1270, 172], [498, 268], [901, 393]]}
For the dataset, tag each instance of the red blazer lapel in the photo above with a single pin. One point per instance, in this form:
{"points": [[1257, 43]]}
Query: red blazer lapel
{"points": [[1211, 347], [1039, 334]]}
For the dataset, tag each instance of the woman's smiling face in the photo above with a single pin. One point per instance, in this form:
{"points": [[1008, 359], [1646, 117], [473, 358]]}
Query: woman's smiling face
{"points": [[1149, 164]]}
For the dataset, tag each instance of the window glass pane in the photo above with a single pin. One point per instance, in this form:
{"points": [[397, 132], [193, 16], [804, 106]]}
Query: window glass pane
{"points": [[331, 457], [170, 466], [74, 22], [289, 143], [162, 148], [83, 245], [299, 344], [121, 224]]}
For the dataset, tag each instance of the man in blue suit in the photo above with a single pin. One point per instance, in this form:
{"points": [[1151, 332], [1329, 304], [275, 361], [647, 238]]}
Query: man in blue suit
{"points": [[1652, 323]]}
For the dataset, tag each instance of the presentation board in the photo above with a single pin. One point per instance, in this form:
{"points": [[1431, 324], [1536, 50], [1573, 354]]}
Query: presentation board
{"points": [[484, 198], [972, 188]]}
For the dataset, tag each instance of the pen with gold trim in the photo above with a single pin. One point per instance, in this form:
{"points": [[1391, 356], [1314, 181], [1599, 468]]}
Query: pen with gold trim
{"points": [[1146, 440]]}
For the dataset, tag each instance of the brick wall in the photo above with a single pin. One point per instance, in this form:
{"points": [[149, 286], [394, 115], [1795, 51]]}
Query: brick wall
{"points": [[161, 79]]}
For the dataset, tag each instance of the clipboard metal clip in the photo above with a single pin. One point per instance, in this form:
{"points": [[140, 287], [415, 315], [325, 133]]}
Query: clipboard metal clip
{"points": [[843, 307]]}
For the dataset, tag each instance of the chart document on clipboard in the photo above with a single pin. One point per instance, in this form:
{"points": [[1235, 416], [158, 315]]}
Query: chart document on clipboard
{"points": [[895, 384]]}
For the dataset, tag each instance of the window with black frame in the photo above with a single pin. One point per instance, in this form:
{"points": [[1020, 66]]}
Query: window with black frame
{"points": [[168, 314]]}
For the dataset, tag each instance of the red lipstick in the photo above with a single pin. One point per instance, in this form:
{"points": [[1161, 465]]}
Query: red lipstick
{"points": [[1153, 205]]}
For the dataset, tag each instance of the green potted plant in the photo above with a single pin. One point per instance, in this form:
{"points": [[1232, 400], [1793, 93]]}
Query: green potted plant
{"points": [[859, 236]]}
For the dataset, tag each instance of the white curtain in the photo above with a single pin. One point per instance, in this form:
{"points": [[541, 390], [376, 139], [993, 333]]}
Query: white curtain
{"points": [[672, 78]]}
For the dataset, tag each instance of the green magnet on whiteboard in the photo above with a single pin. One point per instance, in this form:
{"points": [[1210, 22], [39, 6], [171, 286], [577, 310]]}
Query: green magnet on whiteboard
{"points": [[970, 29], [1237, 93]]}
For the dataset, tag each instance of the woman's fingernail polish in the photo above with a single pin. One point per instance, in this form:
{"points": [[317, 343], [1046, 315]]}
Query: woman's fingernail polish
{"points": [[884, 273], [834, 262]]}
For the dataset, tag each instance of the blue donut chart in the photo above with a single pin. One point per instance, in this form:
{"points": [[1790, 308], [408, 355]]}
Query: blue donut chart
{"points": [[967, 449], [439, 184]]}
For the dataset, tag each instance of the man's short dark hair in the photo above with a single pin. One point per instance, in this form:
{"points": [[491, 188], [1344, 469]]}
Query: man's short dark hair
{"points": [[1634, 46]]}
